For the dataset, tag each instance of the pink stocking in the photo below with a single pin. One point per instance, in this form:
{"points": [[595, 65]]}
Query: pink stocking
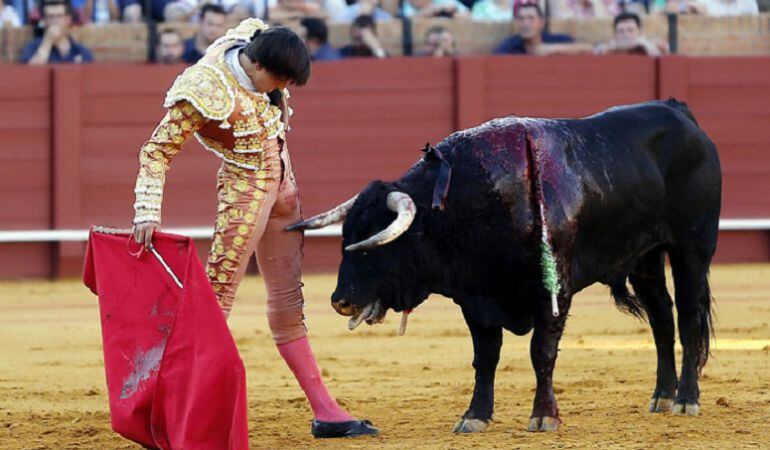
{"points": [[299, 357]]}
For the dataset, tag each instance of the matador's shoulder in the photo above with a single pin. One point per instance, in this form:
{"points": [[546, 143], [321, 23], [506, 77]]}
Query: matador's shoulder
{"points": [[207, 89], [243, 31]]}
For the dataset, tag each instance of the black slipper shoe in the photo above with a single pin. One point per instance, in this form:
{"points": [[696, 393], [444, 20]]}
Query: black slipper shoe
{"points": [[352, 428]]}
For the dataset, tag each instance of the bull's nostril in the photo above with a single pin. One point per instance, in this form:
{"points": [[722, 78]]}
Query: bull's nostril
{"points": [[343, 304]]}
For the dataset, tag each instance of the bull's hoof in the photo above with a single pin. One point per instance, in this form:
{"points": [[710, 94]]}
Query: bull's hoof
{"points": [[465, 425], [687, 409], [661, 404], [544, 424]]}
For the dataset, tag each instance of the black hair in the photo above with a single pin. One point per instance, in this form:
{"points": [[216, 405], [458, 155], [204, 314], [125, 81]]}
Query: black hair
{"points": [[528, 5], [622, 17], [281, 52], [168, 31], [67, 6], [366, 21], [212, 8], [316, 29]]}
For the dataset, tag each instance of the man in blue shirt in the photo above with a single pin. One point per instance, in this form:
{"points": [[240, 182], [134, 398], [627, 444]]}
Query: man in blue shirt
{"points": [[316, 36], [532, 38], [210, 28], [56, 45]]}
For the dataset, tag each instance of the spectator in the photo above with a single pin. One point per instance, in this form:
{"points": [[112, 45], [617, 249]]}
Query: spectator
{"points": [[361, 8], [578, 9], [158, 9], [629, 39], [170, 48], [684, 7], [439, 43], [364, 40], [286, 10], [641, 7], [239, 12], [316, 35], [211, 27], [9, 18], [104, 11], [493, 10], [435, 8], [717, 8], [56, 45], [130, 11], [532, 38], [27, 11], [179, 11]]}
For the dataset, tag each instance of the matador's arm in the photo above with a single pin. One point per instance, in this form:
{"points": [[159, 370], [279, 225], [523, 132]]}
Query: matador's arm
{"points": [[166, 141]]}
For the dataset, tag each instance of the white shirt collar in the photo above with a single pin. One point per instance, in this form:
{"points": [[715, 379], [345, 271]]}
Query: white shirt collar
{"points": [[234, 63]]}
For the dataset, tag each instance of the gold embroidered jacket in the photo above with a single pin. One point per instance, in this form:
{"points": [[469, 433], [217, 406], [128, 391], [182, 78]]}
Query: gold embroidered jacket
{"points": [[228, 120]]}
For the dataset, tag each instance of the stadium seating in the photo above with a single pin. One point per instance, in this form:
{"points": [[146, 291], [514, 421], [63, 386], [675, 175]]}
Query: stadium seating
{"points": [[697, 36]]}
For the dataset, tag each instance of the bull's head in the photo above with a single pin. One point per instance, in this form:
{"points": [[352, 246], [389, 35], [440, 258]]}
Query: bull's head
{"points": [[381, 258]]}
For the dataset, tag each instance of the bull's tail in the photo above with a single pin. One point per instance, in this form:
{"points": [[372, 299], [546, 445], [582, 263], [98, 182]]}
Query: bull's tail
{"points": [[706, 313], [625, 300]]}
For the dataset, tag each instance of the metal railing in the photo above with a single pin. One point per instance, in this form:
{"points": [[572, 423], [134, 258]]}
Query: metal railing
{"points": [[23, 236]]}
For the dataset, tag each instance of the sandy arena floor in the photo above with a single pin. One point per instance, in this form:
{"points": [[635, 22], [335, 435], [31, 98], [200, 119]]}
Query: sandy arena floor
{"points": [[52, 391]]}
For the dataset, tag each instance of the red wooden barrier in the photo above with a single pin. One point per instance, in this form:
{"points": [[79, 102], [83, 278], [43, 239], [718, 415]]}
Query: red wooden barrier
{"points": [[70, 135], [730, 97], [25, 167]]}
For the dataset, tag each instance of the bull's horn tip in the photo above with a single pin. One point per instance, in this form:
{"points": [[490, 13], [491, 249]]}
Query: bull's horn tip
{"points": [[295, 226]]}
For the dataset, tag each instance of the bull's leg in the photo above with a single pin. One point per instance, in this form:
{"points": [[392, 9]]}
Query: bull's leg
{"points": [[486, 353], [693, 305], [649, 282], [543, 348]]}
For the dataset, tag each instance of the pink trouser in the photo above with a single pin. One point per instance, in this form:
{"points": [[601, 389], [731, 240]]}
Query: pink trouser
{"points": [[253, 211]]}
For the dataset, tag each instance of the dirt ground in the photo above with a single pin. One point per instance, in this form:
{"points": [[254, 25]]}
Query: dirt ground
{"points": [[53, 395]]}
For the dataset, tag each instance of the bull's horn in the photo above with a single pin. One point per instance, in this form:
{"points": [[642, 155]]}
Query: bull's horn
{"points": [[334, 215], [400, 203]]}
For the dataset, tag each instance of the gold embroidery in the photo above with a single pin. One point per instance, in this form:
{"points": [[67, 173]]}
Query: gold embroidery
{"points": [[206, 88], [155, 157]]}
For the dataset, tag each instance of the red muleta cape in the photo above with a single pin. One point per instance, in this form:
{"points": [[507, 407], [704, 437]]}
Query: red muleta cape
{"points": [[174, 375]]}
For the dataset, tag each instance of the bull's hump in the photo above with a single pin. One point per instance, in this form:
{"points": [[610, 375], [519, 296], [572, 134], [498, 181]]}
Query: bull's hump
{"points": [[500, 146]]}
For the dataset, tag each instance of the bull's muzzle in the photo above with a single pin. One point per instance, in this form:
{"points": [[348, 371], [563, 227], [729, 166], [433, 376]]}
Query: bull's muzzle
{"points": [[343, 307]]}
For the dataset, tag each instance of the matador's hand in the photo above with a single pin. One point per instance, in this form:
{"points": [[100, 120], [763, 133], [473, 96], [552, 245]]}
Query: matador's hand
{"points": [[143, 233]]}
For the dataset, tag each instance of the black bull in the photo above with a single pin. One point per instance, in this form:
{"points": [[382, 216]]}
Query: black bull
{"points": [[617, 191]]}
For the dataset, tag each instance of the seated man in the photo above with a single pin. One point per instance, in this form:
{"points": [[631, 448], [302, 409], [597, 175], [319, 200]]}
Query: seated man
{"points": [[364, 41], [56, 45], [211, 27], [629, 39], [532, 38], [439, 43], [316, 36], [170, 48]]}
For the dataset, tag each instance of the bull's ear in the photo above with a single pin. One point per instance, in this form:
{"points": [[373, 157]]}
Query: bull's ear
{"points": [[431, 153]]}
